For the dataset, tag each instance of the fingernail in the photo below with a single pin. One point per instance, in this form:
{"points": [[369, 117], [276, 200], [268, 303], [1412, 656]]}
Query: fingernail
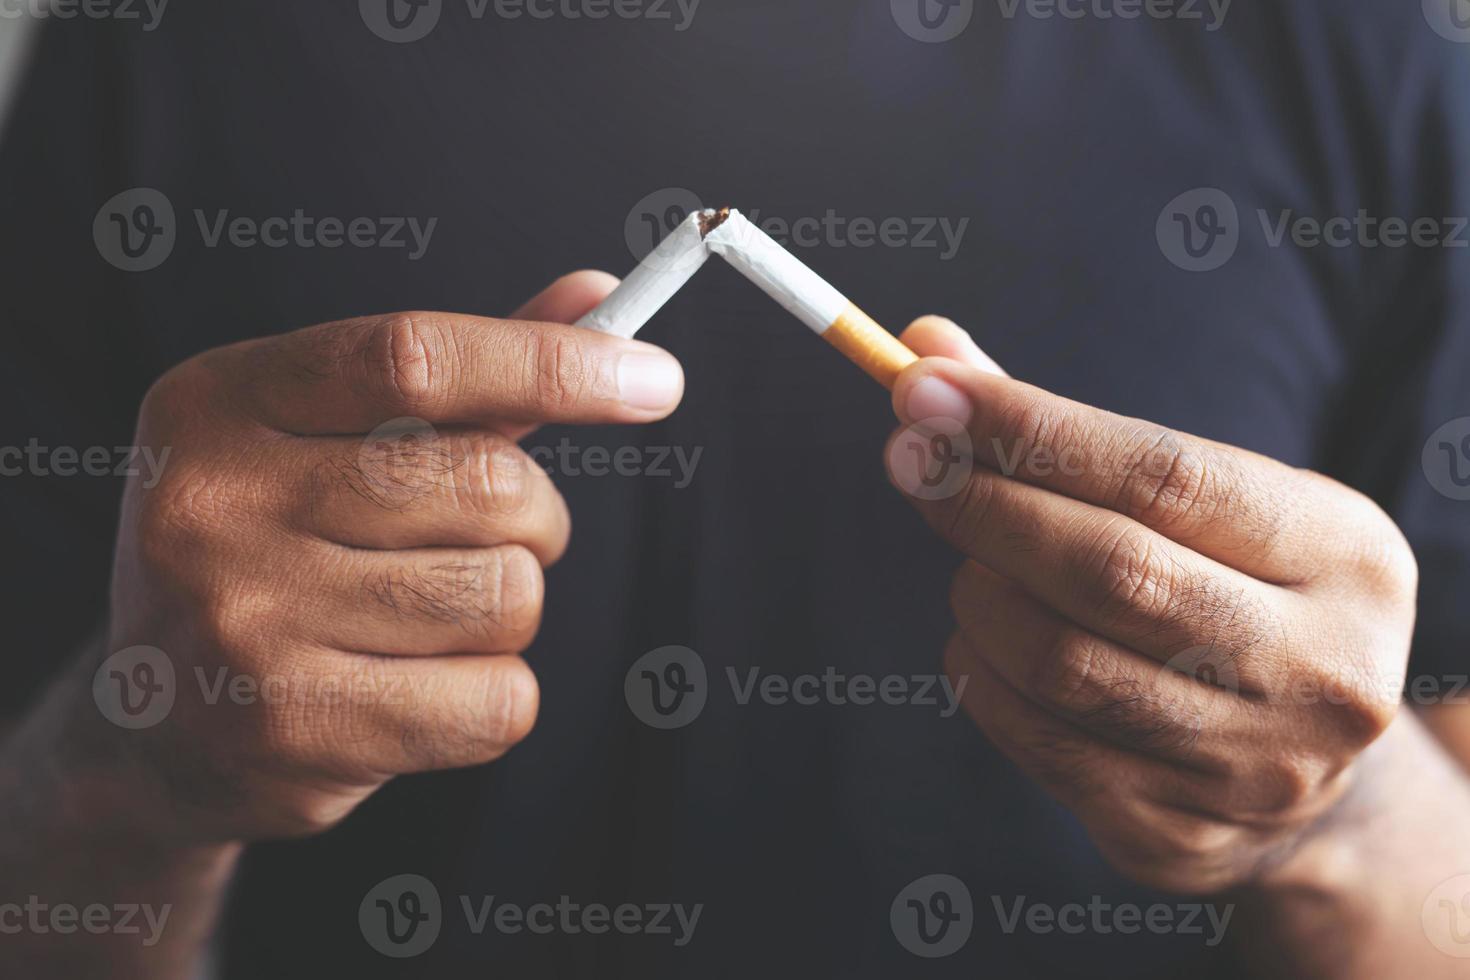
{"points": [[934, 397], [649, 381]]}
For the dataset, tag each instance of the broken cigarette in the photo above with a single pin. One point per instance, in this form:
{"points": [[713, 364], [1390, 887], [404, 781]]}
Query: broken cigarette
{"points": [[661, 274], [806, 295], [809, 297]]}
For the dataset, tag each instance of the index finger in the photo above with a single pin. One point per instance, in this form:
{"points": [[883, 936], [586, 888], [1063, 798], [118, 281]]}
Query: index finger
{"points": [[1244, 510], [352, 376]]}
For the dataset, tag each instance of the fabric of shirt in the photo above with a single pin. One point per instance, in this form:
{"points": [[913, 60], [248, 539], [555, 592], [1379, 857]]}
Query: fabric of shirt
{"points": [[1068, 188]]}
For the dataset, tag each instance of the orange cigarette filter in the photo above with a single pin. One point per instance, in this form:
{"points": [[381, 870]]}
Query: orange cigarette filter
{"points": [[809, 297]]}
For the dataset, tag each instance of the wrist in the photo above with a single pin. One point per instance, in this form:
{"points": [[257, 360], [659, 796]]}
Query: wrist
{"points": [[1345, 897], [70, 777]]}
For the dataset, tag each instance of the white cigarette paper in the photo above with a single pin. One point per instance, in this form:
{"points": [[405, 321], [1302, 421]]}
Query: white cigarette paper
{"points": [[810, 298], [757, 256], [661, 274], [728, 234]]}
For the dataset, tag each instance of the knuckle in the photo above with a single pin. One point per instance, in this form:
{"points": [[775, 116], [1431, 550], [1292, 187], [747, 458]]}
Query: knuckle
{"points": [[1069, 676], [1384, 561], [560, 371], [497, 479], [307, 815], [512, 700], [1283, 785], [1180, 853], [169, 395], [231, 621], [392, 474], [968, 511], [1363, 716], [498, 599], [1157, 852], [291, 737], [176, 517], [518, 593], [1193, 841], [1060, 760], [1028, 422], [1166, 481], [1130, 578], [1085, 680], [407, 361]]}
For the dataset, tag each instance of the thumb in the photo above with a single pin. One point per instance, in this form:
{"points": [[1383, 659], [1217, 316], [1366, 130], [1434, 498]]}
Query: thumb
{"points": [[569, 298]]}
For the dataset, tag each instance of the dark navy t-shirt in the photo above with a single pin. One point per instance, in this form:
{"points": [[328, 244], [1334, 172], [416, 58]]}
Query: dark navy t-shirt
{"points": [[1112, 206]]}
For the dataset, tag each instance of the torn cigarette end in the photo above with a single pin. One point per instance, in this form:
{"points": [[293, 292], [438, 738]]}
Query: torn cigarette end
{"points": [[710, 220], [810, 298]]}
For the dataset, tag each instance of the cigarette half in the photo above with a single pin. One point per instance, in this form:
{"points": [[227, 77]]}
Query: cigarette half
{"points": [[661, 274], [727, 233], [809, 297]]}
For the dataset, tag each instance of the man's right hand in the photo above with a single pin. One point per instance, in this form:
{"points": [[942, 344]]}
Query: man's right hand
{"points": [[372, 581]]}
